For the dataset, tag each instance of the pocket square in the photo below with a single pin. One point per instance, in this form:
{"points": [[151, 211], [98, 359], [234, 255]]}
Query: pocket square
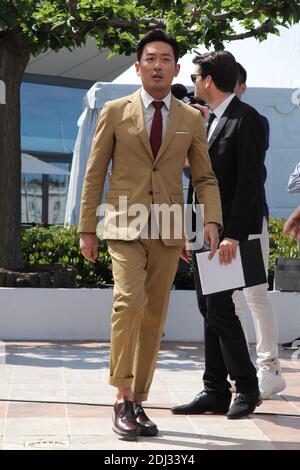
{"points": [[182, 132]]}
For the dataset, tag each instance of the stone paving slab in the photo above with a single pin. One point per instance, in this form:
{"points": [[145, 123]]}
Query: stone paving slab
{"points": [[55, 396]]}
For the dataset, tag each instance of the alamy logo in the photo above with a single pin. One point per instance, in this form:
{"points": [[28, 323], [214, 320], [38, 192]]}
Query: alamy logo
{"points": [[122, 220], [296, 97]]}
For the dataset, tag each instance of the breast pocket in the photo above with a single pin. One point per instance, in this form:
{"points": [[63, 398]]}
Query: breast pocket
{"points": [[183, 138]]}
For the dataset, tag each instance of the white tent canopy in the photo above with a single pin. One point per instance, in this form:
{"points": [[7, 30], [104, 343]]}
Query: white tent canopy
{"points": [[93, 103], [31, 164]]}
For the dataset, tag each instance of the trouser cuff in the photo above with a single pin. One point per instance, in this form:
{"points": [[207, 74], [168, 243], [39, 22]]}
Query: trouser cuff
{"points": [[139, 397], [120, 382]]}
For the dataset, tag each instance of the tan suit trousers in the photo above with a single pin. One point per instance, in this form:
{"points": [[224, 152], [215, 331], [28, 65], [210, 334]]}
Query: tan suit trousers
{"points": [[143, 273]]}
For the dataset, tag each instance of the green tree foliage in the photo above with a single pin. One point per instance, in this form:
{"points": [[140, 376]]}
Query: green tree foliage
{"points": [[57, 245], [280, 245], [117, 24]]}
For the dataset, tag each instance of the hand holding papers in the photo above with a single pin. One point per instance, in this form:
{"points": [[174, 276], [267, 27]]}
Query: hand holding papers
{"points": [[246, 270]]}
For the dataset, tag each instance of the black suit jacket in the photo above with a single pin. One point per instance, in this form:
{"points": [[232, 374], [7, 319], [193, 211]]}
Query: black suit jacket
{"points": [[236, 149]]}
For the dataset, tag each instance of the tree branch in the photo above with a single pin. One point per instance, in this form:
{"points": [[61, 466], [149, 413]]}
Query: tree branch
{"points": [[144, 3], [72, 5], [132, 24], [266, 27], [240, 16], [151, 23]]}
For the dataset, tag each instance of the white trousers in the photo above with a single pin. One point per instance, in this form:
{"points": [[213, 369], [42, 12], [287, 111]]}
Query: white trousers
{"points": [[265, 323]]}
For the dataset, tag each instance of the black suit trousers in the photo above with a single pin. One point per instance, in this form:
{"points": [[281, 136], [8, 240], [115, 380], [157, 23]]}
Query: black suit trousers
{"points": [[226, 351]]}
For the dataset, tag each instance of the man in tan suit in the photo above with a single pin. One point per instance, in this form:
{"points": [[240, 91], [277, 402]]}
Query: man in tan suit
{"points": [[148, 136]]}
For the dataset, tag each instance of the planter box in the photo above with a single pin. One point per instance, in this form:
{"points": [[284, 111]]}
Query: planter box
{"points": [[84, 314], [287, 274]]}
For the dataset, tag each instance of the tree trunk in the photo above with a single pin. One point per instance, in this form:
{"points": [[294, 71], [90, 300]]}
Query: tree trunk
{"points": [[13, 60]]}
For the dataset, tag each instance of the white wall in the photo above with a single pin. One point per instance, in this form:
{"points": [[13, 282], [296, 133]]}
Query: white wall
{"points": [[84, 314], [278, 105]]}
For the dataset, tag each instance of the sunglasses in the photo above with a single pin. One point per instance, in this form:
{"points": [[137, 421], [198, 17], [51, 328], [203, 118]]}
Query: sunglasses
{"points": [[194, 76]]}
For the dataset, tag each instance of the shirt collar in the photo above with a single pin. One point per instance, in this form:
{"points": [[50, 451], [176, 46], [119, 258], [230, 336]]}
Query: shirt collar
{"points": [[147, 99], [219, 110]]}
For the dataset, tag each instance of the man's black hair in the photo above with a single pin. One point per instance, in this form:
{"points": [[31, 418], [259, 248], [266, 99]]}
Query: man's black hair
{"points": [[221, 66], [158, 35], [242, 74]]}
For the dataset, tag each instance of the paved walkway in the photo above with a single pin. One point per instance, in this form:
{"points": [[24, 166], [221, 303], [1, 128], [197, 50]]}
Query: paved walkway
{"points": [[55, 395]]}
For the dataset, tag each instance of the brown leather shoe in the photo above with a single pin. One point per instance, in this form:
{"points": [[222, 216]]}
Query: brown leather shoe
{"points": [[124, 420], [147, 427]]}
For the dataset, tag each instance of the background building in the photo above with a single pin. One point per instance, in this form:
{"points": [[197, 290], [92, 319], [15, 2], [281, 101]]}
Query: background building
{"points": [[52, 92]]}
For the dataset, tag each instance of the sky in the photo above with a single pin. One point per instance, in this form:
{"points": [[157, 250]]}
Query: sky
{"points": [[273, 63]]}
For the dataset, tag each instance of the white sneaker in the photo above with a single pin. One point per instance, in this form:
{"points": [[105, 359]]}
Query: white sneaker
{"points": [[270, 382], [232, 385]]}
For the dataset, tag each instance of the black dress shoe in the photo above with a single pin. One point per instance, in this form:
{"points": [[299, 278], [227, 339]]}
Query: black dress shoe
{"points": [[292, 344], [124, 421], [205, 402], [147, 427], [244, 404]]}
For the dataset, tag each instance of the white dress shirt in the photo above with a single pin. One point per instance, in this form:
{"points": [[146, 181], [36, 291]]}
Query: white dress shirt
{"points": [[218, 112], [294, 180], [149, 110]]}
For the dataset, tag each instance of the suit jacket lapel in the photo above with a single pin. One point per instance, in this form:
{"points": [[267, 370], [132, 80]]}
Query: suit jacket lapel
{"points": [[217, 130], [223, 120], [137, 115], [174, 119]]}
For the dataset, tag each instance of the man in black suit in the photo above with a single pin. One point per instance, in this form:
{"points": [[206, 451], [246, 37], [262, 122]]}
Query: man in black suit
{"points": [[236, 143]]}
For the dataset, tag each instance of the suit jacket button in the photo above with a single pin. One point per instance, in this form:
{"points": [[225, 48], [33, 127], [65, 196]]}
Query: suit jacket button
{"points": [[155, 169], [151, 192]]}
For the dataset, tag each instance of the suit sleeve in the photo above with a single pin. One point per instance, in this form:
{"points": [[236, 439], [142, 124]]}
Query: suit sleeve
{"points": [[266, 127], [250, 151], [294, 180], [202, 176], [98, 162]]}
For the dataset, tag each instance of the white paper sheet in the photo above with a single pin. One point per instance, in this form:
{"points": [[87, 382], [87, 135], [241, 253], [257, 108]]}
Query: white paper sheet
{"points": [[216, 277]]}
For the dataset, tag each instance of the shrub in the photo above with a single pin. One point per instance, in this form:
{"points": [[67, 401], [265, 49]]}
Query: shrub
{"points": [[57, 245], [184, 276], [280, 245]]}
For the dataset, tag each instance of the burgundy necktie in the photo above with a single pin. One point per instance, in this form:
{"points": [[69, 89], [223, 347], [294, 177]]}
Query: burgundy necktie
{"points": [[156, 128]]}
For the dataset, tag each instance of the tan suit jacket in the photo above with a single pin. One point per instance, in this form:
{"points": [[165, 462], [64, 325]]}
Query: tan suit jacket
{"points": [[121, 135]]}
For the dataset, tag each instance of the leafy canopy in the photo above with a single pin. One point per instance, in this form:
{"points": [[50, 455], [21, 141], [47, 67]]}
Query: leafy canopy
{"points": [[36, 25]]}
